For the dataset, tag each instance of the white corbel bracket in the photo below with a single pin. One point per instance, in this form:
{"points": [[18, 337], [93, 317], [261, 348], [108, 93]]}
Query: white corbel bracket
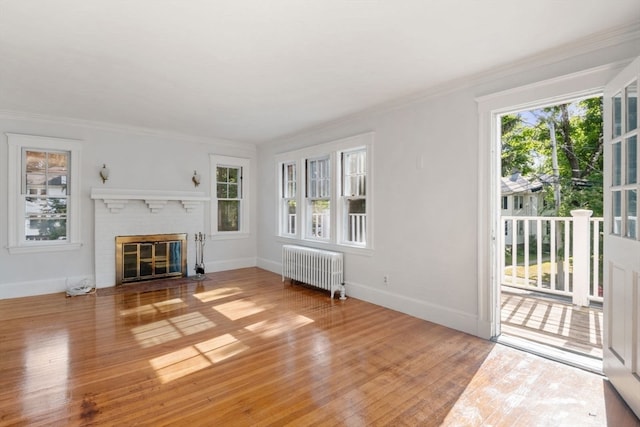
{"points": [[115, 205], [155, 206], [156, 200]]}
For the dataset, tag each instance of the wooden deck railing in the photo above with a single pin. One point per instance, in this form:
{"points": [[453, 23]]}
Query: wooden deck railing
{"points": [[556, 255]]}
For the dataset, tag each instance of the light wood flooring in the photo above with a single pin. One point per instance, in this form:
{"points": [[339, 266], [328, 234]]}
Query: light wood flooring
{"points": [[553, 322], [242, 348]]}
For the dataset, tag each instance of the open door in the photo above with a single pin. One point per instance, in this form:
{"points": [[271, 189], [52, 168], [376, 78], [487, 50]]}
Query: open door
{"points": [[621, 236]]}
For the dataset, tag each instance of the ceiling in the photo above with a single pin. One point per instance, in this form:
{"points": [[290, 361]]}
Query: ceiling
{"points": [[256, 70]]}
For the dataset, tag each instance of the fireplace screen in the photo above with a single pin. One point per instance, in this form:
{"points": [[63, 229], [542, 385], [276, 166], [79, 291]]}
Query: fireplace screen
{"points": [[150, 257]]}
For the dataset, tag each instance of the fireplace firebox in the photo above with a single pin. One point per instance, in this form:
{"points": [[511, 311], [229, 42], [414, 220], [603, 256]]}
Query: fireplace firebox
{"points": [[149, 257]]}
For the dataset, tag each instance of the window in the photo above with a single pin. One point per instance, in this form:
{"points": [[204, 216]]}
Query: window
{"points": [[318, 198], [325, 193], [518, 202], [624, 172], [354, 176], [43, 193], [229, 207], [289, 203], [505, 203]]}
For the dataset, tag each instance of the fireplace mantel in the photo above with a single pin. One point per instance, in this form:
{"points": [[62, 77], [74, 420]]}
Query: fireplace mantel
{"points": [[117, 199]]}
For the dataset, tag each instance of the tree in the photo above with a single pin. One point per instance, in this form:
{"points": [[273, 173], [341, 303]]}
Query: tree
{"points": [[526, 147]]}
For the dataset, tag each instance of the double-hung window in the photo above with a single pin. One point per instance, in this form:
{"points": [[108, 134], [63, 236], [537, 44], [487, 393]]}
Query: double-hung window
{"points": [[230, 204], [43, 193], [288, 200], [325, 193], [354, 194], [318, 197]]}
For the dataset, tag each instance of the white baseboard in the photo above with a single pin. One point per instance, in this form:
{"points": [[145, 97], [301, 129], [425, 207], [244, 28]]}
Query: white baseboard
{"points": [[232, 264], [41, 287], [453, 319], [270, 265]]}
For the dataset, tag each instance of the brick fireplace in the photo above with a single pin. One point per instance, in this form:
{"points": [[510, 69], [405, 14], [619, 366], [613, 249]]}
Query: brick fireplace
{"points": [[143, 212]]}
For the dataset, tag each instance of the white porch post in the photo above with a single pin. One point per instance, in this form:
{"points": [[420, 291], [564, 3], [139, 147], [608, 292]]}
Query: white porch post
{"points": [[581, 252]]}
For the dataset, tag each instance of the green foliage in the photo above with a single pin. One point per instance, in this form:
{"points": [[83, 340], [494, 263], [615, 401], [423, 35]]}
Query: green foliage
{"points": [[527, 148]]}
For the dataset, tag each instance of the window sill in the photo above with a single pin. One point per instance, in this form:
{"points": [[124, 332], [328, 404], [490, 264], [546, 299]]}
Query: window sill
{"points": [[327, 245], [38, 248]]}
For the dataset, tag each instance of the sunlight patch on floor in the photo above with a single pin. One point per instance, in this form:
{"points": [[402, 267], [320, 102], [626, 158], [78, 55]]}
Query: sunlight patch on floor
{"points": [[216, 294], [188, 360], [162, 331], [271, 328], [156, 307], [221, 348], [235, 310]]}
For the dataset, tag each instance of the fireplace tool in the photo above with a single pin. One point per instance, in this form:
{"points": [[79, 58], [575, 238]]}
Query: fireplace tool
{"points": [[200, 238]]}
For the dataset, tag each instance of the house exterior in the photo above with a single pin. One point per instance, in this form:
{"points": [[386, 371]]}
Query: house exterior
{"points": [[521, 197], [418, 212]]}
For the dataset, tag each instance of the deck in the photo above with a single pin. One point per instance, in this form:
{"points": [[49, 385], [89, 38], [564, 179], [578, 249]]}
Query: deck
{"points": [[554, 322]]}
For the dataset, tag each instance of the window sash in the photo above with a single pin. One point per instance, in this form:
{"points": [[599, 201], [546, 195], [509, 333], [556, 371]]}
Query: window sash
{"points": [[229, 197], [288, 207], [44, 193], [354, 180], [318, 178]]}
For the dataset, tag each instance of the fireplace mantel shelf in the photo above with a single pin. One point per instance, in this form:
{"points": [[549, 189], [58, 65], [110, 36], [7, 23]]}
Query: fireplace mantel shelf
{"points": [[117, 199]]}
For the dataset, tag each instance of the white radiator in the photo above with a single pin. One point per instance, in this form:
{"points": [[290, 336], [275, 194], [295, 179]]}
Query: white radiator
{"points": [[316, 267]]}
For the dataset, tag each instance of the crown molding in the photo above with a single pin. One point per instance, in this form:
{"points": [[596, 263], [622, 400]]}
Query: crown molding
{"points": [[136, 130], [566, 51]]}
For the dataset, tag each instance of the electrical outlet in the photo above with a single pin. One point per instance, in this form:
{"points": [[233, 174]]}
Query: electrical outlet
{"points": [[385, 279]]}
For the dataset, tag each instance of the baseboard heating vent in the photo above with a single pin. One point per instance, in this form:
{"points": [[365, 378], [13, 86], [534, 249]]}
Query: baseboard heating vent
{"points": [[320, 268]]}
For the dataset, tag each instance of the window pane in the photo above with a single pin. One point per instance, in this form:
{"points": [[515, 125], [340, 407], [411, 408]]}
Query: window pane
{"points": [[289, 181], [57, 162], [36, 161], [290, 217], [222, 191], [632, 160], [632, 214], [320, 226], [356, 221], [46, 228], [36, 183], [354, 173], [617, 115], [632, 106], [233, 175], [617, 164], [617, 212], [319, 179], [233, 191], [221, 174], [228, 215], [43, 206]]}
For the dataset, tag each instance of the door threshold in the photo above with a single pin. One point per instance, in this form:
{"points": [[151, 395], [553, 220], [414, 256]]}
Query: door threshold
{"points": [[586, 363]]}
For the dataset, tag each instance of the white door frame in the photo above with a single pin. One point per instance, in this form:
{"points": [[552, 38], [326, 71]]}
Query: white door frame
{"points": [[549, 92]]}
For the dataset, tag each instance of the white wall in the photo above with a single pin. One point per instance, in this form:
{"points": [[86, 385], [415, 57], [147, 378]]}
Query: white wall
{"points": [[426, 219], [138, 160]]}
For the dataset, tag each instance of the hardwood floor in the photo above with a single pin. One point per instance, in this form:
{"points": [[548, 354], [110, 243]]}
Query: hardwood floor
{"points": [[242, 348]]}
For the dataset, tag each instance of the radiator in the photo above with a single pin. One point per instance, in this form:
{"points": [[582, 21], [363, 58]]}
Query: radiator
{"points": [[316, 267]]}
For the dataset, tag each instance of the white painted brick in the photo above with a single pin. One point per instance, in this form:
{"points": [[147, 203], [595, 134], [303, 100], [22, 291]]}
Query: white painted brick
{"points": [[137, 219]]}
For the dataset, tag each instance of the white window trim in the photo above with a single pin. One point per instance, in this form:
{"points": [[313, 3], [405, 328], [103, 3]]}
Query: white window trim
{"points": [[16, 242], [282, 227], [244, 163], [305, 226], [336, 242], [342, 199]]}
